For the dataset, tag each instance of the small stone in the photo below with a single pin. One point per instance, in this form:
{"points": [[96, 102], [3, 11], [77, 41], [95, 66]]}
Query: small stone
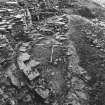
{"points": [[22, 49], [23, 57], [34, 63], [27, 98], [32, 75], [11, 75], [13, 102], [43, 93], [25, 44], [1, 91], [82, 95]]}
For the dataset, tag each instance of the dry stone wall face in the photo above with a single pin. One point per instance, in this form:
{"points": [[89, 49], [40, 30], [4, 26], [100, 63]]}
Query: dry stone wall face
{"points": [[57, 64]]}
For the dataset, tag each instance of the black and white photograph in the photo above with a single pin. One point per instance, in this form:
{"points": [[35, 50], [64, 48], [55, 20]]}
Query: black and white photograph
{"points": [[52, 52]]}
